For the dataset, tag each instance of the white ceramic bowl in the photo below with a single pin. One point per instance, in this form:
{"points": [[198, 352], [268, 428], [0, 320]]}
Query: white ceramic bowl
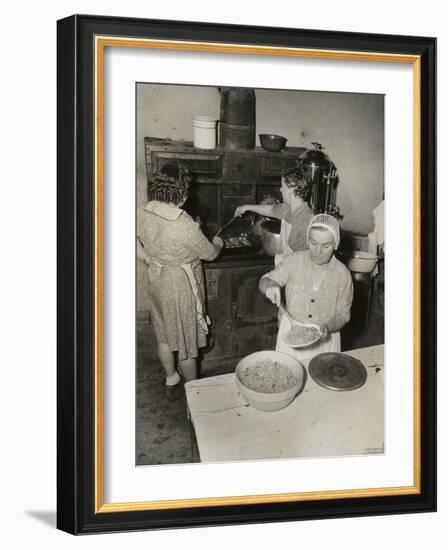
{"points": [[359, 261], [274, 401]]}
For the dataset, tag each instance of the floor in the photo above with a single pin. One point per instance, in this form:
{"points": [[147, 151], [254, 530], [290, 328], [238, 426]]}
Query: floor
{"points": [[162, 428]]}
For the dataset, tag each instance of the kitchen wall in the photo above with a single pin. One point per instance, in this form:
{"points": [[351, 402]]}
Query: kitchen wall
{"points": [[349, 126]]}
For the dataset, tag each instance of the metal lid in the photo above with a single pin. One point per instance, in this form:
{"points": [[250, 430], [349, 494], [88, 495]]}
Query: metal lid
{"points": [[337, 371], [315, 157]]}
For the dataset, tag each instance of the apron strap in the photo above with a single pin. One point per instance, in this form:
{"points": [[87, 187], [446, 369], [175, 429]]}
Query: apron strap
{"points": [[201, 317]]}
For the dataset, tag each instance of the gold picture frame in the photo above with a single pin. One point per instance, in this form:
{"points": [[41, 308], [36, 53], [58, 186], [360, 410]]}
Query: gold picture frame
{"points": [[82, 41]]}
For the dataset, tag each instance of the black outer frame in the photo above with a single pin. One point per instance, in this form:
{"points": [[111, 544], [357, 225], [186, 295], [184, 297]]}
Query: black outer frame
{"points": [[75, 295]]}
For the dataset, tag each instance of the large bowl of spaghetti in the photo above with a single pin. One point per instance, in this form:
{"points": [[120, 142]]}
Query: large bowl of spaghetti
{"points": [[269, 380]]}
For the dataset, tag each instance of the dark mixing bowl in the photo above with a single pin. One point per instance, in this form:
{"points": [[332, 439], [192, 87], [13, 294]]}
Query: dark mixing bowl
{"points": [[272, 142]]}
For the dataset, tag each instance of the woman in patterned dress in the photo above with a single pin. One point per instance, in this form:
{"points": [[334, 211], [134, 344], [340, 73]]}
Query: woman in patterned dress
{"points": [[172, 245], [318, 288]]}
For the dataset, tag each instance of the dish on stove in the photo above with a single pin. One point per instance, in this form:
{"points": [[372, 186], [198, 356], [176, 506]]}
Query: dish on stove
{"points": [[237, 241]]}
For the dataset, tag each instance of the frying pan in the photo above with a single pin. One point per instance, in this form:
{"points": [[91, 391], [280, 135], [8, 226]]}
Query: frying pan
{"points": [[245, 249]]}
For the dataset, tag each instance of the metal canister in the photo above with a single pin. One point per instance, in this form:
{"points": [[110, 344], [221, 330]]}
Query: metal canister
{"points": [[236, 136], [237, 106], [237, 118]]}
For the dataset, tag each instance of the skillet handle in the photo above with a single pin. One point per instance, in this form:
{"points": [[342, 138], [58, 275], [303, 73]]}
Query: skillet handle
{"points": [[224, 226]]}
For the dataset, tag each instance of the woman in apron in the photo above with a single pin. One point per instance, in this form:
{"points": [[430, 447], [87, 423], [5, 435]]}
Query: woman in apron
{"points": [[318, 289], [293, 212], [172, 245]]}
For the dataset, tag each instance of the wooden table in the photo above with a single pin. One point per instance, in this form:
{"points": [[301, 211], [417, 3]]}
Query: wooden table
{"points": [[319, 422]]}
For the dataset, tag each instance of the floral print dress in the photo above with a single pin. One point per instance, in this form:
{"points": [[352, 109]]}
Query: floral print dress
{"points": [[176, 246]]}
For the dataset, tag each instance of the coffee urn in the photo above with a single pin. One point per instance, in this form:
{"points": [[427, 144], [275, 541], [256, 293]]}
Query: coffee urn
{"points": [[321, 173]]}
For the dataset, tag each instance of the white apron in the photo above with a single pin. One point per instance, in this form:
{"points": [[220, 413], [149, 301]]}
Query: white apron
{"points": [[333, 343], [285, 230]]}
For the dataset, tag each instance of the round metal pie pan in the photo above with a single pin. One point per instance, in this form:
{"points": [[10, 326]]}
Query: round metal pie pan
{"points": [[337, 371]]}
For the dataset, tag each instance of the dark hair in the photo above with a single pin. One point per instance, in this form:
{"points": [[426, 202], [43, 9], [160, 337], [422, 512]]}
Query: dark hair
{"points": [[170, 184], [295, 178]]}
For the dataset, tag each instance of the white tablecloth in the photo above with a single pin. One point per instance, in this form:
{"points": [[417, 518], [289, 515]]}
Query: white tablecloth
{"points": [[319, 422]]}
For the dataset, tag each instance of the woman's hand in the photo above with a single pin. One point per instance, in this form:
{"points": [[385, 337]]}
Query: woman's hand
{"points": [[273, 294], [325, 332], [217, 241], [240, 210]]}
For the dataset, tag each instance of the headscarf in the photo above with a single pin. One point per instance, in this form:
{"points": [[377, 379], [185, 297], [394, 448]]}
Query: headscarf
{"points": [[327, 222]]}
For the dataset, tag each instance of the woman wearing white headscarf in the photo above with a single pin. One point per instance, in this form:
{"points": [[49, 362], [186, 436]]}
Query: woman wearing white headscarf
{"points": [[318, 288]]}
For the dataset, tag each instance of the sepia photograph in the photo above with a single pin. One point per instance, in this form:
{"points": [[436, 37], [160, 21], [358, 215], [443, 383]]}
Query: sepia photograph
{"points": [[260, 251], [228, 350]]}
